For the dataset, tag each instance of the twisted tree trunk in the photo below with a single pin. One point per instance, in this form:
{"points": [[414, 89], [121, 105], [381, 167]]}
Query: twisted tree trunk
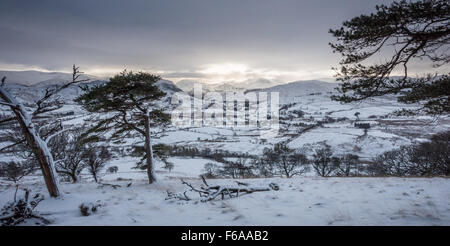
{"points": [[38, 146]]}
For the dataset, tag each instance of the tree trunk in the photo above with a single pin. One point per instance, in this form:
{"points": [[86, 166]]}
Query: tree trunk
{"points": [[34, 141], [74, 178], [148, 150], [94, 174]]}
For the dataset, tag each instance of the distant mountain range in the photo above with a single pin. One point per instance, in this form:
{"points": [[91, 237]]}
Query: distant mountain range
{"points": [[188, 85], [30, 85], [301, 88], [38, 78]]}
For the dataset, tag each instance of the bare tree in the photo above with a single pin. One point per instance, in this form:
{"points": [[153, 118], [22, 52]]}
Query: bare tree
{"points": [[347, 164], [95, 159], [266, 164], [68, 151], [323, 162], [425, 159], [392, 163], [432, 158], [237, 169], [297, 164], [16, 170], [211, 170], [285, 161], [49, 102]]}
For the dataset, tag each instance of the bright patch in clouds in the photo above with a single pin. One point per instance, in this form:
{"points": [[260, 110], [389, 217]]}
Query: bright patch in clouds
{"points": [[215, 73], [20, 67], [239, 72], [225, 69]]}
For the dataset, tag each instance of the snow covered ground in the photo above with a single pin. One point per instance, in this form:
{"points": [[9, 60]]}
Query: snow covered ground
{"points": [[305, 200], [300, 200]]}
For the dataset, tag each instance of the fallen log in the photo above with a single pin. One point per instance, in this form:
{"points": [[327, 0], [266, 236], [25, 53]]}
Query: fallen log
{"points": [[209, 193]]}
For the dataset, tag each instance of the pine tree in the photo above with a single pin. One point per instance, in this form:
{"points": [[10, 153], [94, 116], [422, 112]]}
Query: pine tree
{"points": [[128, 102], [414, 31]]}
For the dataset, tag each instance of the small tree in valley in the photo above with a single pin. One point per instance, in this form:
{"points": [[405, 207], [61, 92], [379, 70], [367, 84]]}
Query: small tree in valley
{"points": [[16, 170], [67, 149], [347, 164], [285, 161], [323, 162], [95, 159]]}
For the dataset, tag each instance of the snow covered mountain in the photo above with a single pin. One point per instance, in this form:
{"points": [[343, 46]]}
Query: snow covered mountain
{"points": [[38, 78], [300, 88], [168, 87], [188, 85], [29, 86], [31, 93]]}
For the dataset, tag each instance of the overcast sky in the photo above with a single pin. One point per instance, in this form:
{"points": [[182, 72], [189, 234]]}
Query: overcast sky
{"points": [[206, 40]]}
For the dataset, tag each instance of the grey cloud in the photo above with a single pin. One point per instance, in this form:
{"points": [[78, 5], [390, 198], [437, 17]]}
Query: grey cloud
{"points": [[173, 35]]}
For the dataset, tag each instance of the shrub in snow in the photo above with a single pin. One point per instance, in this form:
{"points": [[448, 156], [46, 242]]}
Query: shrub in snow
{"points": [[19, 211], [237, 169], [211, 170], [112, 169], [87, 209], [274, 186], [241, 168], [168, 165], [264, 167]]}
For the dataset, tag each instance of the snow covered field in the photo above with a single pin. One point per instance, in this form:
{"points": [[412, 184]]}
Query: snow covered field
{"points": [[300, 200]]}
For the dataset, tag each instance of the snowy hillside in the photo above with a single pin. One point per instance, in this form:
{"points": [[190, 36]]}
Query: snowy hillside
{"points": [[30, 93], [301, 88], [188, 85], [38, 78], [312, 98], [309, 119]]}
